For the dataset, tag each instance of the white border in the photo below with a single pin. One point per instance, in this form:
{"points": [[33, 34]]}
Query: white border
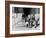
{"points": [[29, 6]]}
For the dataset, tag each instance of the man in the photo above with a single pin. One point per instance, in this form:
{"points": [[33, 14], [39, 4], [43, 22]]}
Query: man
{"points": [[26, 13]]}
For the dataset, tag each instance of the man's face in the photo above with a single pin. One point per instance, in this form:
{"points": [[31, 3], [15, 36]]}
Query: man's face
{"points": [[28, 16]]}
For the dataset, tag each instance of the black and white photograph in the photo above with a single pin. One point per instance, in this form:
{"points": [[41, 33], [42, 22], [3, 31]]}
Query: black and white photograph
{"points": [[26, 18]]}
